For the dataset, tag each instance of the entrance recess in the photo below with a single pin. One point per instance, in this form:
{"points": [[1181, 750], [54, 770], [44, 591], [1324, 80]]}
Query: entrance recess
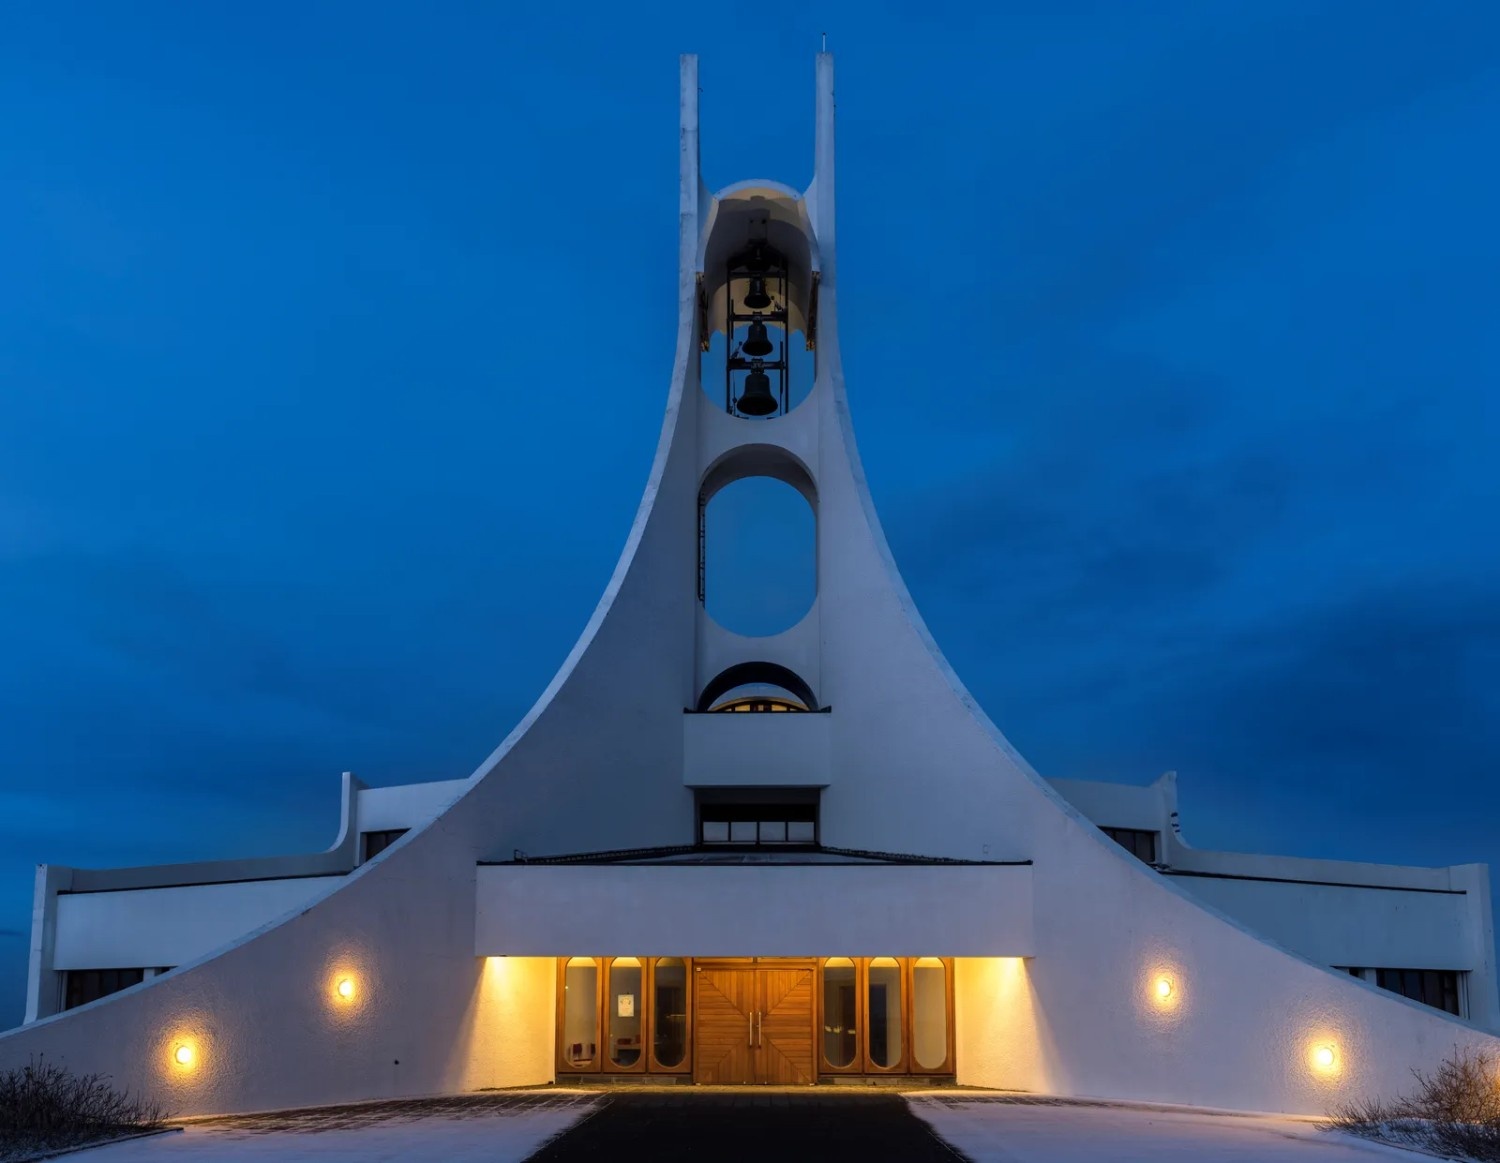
{"points": [[754, 1023]]}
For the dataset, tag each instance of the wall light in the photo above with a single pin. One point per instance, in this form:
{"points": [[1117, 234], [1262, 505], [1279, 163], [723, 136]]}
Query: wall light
{"points": [[1163, 988], [1325, 1058], [345, 988], [184, 1055]]}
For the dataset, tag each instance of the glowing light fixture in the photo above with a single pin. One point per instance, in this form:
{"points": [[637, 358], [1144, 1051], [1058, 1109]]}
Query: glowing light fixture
{"points": [[345, 988], [184, 1055], [1163, 988], [1324, 1057]]}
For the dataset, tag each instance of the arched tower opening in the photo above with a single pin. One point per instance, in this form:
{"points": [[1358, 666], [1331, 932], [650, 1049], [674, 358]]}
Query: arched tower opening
{"points": [[757, 541], [757, 680], [758, 288]]}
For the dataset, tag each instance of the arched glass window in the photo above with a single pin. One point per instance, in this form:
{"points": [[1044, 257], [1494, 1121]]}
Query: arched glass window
{"points": [[929, 1013], [580, 1011], [840, 1012], [669, 1012], [884, 1000], [626, 1010]]}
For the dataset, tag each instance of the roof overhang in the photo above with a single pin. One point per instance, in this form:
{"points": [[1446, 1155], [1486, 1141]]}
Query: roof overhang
{"points": [[754, 910]]}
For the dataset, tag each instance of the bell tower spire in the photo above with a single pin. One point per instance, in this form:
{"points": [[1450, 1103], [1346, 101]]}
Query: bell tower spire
{"points": [[757, 391]]}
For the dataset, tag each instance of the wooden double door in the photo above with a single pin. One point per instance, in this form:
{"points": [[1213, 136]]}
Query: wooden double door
{"points": [[754, 1022]]}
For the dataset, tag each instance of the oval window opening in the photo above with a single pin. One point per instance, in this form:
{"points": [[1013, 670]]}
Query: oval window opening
{"points": [[884, 1009], [625, 1011], [929, 1012], [580, 1011], [840, 1012], [759, 557], [669, 1012]]}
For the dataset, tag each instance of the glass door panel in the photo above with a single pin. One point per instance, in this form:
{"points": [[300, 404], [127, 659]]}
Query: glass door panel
{"points": [[840, 1013], [625, 1012], [929, 1013], [669, 1010], [884, 1012], [580, 1021]]}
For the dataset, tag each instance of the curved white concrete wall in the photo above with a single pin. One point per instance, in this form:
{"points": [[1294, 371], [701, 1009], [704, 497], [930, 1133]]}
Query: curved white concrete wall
{"points": [[598, 764], [407, 805], [143, 927]]}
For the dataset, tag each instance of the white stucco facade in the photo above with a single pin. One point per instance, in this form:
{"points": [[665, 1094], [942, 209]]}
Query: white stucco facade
{"points": [[934, 837]]}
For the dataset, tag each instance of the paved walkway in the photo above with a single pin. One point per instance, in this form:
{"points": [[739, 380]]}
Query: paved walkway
{"points": [[826, 1124]]}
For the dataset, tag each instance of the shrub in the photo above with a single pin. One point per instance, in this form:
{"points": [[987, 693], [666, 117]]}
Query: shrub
{"points": [[1454, 1110], [42, 1106]]}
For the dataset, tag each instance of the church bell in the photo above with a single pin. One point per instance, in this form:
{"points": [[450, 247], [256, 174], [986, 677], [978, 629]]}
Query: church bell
{"points": [[757, 343], [756, 399], [756, 298]]}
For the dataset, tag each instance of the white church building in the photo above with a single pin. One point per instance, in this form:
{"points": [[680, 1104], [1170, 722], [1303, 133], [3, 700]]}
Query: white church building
{"points": [[797, 859]]}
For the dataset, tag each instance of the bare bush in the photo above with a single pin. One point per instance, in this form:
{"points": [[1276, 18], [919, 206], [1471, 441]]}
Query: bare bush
{"points": [[1455, 1110], [43, 1106]]}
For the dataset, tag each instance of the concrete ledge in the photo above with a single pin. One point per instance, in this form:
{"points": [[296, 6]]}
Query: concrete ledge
{"points": [[756, 750], [754, 910]]}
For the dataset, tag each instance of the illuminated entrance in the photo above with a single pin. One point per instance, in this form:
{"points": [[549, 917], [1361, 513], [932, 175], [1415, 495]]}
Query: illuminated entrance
{"points": [[755, 1021]]}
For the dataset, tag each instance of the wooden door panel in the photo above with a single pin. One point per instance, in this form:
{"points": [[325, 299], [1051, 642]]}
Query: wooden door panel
{"points": [[784, 1028], [725, 1007]]}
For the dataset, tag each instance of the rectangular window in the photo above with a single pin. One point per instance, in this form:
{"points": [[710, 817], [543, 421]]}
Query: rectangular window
{"points": [[82, 986], [1140, 844], [1434, 987], [759, 817], [374, 843]]}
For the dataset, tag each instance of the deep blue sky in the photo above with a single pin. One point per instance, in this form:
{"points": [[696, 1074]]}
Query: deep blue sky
{"points": [[334, 338]]}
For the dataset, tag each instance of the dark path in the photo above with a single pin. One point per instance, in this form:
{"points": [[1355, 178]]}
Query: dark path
{"points": [[824, 1125]]}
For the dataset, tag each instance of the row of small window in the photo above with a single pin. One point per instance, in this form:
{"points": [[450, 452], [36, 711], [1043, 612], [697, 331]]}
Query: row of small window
{"points": [[758, 832], [757, 823], [1439, 988], [81, 986]]}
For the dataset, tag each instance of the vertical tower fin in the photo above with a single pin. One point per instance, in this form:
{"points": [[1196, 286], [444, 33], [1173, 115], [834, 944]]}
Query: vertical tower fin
{"points": [[822, 186], [690, 181]]}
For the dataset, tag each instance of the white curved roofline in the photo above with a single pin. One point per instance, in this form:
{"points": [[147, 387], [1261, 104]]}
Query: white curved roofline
{"points": [[757, 185]]}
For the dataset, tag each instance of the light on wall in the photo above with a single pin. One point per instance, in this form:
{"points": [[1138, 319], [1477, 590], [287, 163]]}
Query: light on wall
{"points": [[345, 988], [1324, 1057], [1163, 989], [185, 1055]]}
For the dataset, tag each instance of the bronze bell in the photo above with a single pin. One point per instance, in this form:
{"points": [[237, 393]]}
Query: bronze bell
{"points": [[756, 399], [756, 298], [757, 343]]}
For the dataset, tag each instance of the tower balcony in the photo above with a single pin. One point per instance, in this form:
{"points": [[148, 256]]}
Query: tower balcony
{"points": [[756, 750]]}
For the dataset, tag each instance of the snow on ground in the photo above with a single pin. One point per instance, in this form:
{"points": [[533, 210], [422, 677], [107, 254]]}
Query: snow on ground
{"points": [[998, 1130], [502, 1134], [507, 1128]]}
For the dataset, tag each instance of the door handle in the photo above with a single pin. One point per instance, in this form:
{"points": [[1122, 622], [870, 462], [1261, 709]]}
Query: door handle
{"points": [[750, 1029], [760, 1028]]}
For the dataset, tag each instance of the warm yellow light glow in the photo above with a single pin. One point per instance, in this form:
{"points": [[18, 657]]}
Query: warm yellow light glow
{"points": [[184, 1055], [345, 988], [1323, 1058], [1163, 988]]}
